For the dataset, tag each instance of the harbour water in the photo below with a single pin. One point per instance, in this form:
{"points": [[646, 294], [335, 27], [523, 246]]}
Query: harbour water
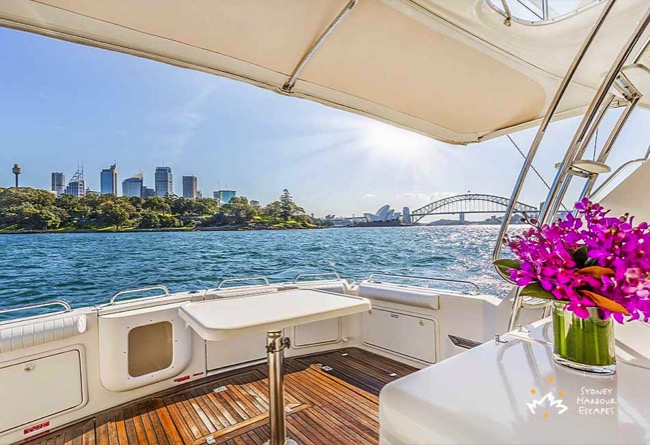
{"points": [[86, 269]]}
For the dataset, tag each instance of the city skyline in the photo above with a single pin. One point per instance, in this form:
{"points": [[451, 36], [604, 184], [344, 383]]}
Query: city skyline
{"points": [[232, 135]]}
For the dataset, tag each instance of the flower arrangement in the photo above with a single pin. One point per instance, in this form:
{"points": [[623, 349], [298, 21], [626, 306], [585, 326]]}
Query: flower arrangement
{"points": [[588, 260]]}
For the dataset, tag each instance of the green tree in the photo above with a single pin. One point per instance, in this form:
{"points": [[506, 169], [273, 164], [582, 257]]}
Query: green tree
{"points": [[74, 207], [238, 210], [149, 220], [114, 214], [286, 205], [16, 196], [272, 210], [169, 221], [204, 206], [135, 201], [157, 204], [179, 205]]}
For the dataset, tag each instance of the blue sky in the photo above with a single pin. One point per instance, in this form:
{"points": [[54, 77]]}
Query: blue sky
{"points": [[65, 104]]}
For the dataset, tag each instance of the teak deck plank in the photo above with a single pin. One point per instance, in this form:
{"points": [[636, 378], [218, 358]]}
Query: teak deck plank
{"points": [[339, 406]]}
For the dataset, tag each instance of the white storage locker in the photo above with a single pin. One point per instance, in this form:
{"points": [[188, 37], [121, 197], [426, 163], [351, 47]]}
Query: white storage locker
{"points": [[404, 334], [45, 386]]}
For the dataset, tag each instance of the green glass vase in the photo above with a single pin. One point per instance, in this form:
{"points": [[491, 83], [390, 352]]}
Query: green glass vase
{"points": [[583, 344]]}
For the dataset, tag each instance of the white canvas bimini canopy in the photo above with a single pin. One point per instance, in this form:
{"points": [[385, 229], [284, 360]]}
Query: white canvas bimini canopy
{"points": [[448, 69]]}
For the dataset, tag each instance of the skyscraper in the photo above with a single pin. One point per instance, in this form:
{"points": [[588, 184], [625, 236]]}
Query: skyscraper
{"points": [[133, 186], [148, 192], [58, 183], [77, 185], [189, 187], [164, 181], [224, 196], [108, 180]]}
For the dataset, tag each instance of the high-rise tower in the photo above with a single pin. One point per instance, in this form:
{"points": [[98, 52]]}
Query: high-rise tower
{"points": [[164, 181], [108, 180]]}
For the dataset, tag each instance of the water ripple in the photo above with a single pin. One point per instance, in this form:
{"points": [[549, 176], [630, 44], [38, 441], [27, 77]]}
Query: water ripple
{"points": [[88, 268]]}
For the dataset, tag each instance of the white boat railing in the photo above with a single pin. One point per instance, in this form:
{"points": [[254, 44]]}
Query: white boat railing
{"points": [[242, 279], [372, 279], [336, 276], [66, 308], [165, 290]]}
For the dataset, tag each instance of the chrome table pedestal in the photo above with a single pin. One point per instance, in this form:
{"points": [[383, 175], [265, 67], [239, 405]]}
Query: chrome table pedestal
{"points": [[275, 346]]}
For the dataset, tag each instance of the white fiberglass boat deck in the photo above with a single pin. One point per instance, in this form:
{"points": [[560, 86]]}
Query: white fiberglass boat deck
{"points": [[511, 391]]}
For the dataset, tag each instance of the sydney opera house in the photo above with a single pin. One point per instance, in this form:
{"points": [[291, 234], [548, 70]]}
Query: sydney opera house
{"points": [[386, 216]]}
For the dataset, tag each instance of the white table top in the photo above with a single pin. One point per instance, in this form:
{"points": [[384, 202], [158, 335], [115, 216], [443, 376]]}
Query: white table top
{"points": [[223, 318], [482, 396]]}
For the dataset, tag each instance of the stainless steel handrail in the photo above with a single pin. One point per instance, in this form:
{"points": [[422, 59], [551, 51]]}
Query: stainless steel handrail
{"points": [[541, 131], [578, 144], [65, 304], [415, 277], [230, 280], [143, 289], [618, 171], [562, 177], [300, 275]]}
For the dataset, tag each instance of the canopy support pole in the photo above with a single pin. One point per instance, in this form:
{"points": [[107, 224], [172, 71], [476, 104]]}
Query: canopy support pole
{"points": [[289, 84]]}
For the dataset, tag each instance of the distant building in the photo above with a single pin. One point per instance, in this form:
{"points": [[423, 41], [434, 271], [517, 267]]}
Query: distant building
{"points": [[384, 214], [77, 185], [148, 192], [189, 187], [164, 181], [108, 181], [339, 221], [199, 194], [76, 188], [254, 203], [16, 170], [133, 186], [58, 183], [224, 196]]}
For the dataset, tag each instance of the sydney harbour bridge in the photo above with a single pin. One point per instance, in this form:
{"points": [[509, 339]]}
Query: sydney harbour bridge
{"points": [[462, 205]]}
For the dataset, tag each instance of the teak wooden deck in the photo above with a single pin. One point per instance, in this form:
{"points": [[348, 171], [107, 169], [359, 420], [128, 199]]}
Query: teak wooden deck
{"points": [[327, 406]]}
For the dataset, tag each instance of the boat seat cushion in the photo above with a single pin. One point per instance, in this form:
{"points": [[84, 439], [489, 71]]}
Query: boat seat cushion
{"points": [[407, 295]]}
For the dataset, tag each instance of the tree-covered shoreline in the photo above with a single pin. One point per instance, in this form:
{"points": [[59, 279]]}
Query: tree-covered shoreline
{"points": [[26, 209]]}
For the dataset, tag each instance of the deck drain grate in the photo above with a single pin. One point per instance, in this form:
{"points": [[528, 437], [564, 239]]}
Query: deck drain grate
{"points": [[219, 389], [326, 368]]}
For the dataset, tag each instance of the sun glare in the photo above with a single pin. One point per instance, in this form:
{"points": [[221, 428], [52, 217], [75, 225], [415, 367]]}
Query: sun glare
{"points": [[387, 140]]}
